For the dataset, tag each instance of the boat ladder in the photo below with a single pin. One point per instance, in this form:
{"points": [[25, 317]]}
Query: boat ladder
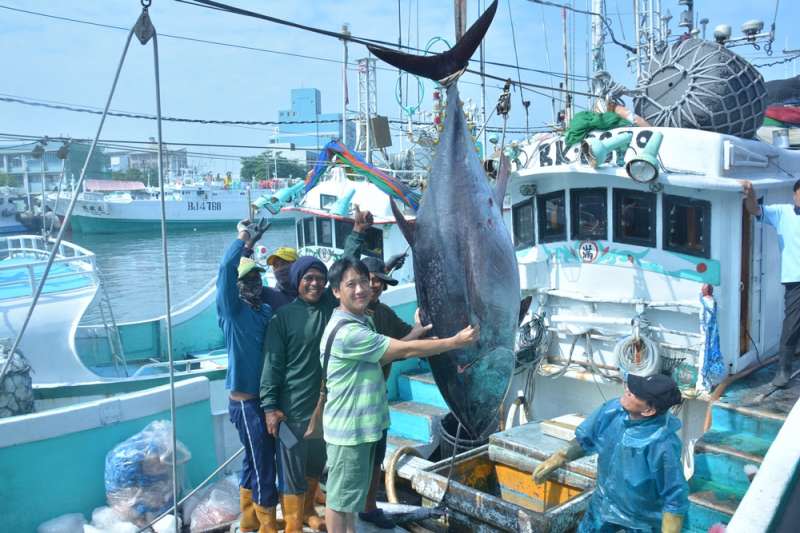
{"points": [[112, 331]]}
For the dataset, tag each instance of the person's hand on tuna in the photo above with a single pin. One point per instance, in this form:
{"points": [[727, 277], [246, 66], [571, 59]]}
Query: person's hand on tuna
{"points": [[468, 335]]}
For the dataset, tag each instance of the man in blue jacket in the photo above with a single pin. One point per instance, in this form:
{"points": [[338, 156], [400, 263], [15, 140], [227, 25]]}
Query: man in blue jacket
{"points": [[640, 481], [243, 317]]}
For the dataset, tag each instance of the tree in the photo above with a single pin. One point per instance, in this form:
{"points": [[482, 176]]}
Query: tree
{"points": [[263, 167], [6, 180], [131, 174]]}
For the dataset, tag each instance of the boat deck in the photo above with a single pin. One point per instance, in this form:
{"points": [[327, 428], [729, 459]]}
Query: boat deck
{"points": [[15, 277], [756, 392]]}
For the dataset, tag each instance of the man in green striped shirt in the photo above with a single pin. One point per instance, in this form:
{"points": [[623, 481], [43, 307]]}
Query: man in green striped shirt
{"points": [[357, 411]]}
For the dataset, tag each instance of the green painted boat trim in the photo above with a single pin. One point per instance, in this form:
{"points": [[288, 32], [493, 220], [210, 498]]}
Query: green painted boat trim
{"points": [[111, 388], [83, 224]]}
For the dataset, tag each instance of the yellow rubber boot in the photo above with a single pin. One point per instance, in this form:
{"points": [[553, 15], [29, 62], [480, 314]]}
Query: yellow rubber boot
{"points": [[266, 517], [248, 520], [310, 516], [293, 512]]}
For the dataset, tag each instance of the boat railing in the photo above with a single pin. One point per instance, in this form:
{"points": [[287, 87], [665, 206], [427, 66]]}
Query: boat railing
{"points": [[81, 259], [182, 365]]}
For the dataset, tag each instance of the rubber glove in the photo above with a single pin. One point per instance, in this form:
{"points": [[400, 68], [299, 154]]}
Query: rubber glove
{"points": [[395, 262], [671, 523], [557, 460]]}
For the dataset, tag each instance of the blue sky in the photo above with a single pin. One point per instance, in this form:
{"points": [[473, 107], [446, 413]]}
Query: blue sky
{"points": [[72, 63]]}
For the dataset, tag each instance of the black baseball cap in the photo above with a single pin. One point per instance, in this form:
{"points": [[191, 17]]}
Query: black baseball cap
{"points": [[658, 390], [378, 268]]}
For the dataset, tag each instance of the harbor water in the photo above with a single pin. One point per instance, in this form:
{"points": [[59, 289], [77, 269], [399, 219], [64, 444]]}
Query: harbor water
{"points": [[132, 266]]}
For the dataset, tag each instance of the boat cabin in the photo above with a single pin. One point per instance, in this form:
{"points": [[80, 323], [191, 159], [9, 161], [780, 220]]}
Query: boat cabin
{"points": [[323, 220], [607, 257]]}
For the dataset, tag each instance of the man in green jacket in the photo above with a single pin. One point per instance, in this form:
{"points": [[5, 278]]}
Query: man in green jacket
{"points": [[290, 381]]}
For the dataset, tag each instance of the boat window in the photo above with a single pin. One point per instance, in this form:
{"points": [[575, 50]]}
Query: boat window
{"points": [[308, 231], [324, 232], [373, 243], [635, 217], [589, 213], [325, 200], [522, 221], [343, 229], [300, 240], [687, 225], [552, 217]]}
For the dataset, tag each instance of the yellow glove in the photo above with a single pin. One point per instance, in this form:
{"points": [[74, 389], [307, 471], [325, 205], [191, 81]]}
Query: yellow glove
{"points": [[671, 523], [557, 460]]}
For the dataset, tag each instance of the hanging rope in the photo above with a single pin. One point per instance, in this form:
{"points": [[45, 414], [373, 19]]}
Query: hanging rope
{"points": [[145, 31], [68, 213]]}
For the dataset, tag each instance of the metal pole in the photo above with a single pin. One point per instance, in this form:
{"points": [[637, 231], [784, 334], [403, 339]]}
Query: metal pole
{"points": [[44, 172], [638, 32], [369, 111], [483, 95], [27, 182], [460, 7], [567, 99], [71, 207], [167, 298], [346, 33]]}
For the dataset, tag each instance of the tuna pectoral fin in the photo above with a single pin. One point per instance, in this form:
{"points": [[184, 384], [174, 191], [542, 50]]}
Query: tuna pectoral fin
{"points": [[442, 66], [502, 181], [408, 228]]}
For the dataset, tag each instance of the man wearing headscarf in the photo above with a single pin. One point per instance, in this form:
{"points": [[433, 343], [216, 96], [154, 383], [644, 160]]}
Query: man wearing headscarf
{"points": [[284, 292], [243, 317], [640, 481], [290, 381]]}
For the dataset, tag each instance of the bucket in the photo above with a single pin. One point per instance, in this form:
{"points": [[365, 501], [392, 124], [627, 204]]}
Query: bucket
{"points": [[448, 427]]}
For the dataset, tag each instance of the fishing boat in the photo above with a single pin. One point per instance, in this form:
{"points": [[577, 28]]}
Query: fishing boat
{"points": [[110, 207], [10, 204], [108, 380]]}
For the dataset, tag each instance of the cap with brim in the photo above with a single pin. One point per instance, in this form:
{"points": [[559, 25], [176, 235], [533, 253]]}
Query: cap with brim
{"points": [[658, 390], [285, 253], [247, 265], [378, 268]]}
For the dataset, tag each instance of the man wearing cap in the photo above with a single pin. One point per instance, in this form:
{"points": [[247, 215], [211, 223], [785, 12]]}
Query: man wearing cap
{"points": [[243, 317], [640, 481], [284, 292], [785, 218], [388, 324], [290, 381]]}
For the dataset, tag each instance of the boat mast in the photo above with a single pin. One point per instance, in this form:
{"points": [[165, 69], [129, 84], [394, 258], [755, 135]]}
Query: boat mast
{"points": [[651, 33], [346, 33], [568, 95], [460, 8], [598, 36]]}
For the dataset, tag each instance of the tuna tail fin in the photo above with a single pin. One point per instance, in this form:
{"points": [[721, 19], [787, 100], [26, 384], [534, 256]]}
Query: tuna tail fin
{"points": [[447, 66], [407, 228]]}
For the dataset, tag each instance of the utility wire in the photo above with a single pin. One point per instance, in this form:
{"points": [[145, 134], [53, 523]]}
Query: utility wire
{"points": [[78, 109], [277, 52], [341, 36], [605, 20]]}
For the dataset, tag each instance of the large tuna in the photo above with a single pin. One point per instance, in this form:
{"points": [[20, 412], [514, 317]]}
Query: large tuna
{"points": [[464, 263]]}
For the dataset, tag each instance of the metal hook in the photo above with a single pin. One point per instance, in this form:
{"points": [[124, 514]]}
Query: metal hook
{"points": [[146, 3]]}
